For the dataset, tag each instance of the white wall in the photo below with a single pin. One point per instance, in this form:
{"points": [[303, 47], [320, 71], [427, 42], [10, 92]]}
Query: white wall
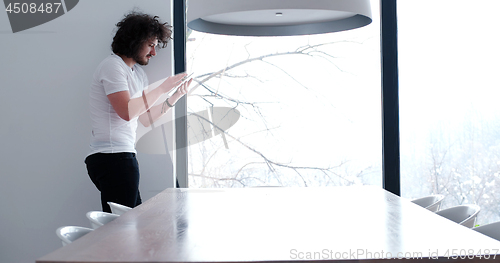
{"points": [[45, 74]]}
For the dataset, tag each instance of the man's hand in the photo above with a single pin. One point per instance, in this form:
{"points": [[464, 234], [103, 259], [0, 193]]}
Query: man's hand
{"points": [[157, 111], [181, 91], [172, 82]]}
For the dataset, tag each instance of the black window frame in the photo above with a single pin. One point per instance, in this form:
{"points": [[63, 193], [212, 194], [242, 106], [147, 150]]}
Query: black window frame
{"points": [[390, 96]]}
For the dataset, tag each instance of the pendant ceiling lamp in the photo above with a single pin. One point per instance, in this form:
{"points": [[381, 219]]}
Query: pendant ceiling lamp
{"points": [[277, 17]]}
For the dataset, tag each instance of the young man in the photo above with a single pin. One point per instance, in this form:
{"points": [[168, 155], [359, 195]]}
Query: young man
{"points": [[119, 97]]}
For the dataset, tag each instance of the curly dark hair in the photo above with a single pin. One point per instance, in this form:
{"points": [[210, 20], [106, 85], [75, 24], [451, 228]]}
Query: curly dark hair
{"points": [[135, 29]]}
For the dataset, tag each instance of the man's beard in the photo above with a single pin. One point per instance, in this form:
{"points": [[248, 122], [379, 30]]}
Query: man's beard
{"points": [[142, 60]]}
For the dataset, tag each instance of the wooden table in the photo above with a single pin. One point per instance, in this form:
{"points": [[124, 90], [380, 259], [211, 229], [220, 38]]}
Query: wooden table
{"points": [[277, 224]]}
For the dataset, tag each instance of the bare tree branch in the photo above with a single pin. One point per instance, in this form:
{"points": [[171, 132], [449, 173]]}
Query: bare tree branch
{"points": [[270, 163], [304, 50]]}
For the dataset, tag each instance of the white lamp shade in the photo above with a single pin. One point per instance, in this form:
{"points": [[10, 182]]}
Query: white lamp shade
{"points": [[277, 17]]}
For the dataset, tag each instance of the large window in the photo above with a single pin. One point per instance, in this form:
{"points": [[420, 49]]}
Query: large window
{"points": [[449, 109], [285, 111]]}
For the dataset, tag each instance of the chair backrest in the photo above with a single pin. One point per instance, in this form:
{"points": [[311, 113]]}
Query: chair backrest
{"points": [[431, 202], [98, 218], [462, 214], [492, 230], [118, 209], [68, 234]]}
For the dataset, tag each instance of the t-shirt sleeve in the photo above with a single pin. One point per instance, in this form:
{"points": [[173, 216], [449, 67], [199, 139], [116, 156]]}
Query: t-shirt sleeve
{"points": [[113, 78]]}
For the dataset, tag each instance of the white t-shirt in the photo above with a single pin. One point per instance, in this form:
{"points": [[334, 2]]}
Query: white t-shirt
{"points": [[111, 133]]}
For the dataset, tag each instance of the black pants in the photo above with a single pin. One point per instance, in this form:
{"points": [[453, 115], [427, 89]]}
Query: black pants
{"points": [[116, 176]]}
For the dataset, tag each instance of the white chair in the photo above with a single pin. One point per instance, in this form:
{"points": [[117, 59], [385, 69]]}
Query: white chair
{"points": [[68, 234], [431, 202], [492, 230], [98, 218], [462, 214], [118, 209]]}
